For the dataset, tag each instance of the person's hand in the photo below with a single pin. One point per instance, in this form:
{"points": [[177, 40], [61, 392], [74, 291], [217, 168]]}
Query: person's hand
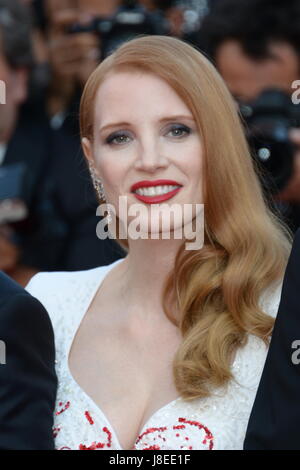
{"points": [[9, 252], [72, 56], [291, 193]]}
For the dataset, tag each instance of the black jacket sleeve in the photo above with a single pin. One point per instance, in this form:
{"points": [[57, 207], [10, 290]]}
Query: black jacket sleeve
{"points": [[28, 380], [275, 416]]}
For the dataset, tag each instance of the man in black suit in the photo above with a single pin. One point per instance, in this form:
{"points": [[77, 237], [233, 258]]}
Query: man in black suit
{"points": [[275, 417], [59, 231], [28, 380]]}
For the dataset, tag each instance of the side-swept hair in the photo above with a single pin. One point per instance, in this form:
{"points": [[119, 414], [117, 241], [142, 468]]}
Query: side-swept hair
{"points": [[216, 289]]}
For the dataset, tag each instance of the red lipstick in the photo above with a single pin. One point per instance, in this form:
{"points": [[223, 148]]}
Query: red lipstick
{"points": [[157, 198]]}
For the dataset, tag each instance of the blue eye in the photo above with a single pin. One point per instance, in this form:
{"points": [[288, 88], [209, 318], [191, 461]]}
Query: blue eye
{"points": [[180, 128], [111, 138]]}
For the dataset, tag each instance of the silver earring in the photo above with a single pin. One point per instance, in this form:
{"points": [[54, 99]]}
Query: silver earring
{"points": [[98, 185]]}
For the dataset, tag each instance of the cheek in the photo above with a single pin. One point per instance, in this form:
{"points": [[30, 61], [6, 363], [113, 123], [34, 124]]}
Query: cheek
{"points": [[197, 163], [111, 180], [192, 165], [194, 173], [111, 173]]}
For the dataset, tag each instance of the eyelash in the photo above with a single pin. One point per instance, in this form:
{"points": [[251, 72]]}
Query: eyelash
{"points": [[109, 139]]}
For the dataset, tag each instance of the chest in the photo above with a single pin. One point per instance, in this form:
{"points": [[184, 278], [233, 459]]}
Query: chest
{"points": [[218, 422], [128, 376]]}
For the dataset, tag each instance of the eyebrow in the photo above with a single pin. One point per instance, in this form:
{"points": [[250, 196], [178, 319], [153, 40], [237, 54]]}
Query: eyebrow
{"points": [[164, 119]]}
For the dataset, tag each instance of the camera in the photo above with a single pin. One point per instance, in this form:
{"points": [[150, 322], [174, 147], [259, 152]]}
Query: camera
{"points": [[267, 122], [129, 21]]}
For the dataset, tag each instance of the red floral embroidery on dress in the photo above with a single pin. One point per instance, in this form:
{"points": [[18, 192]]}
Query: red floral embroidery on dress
{"points": [[88, 417], [155, 447], [208, 438], [55, 431], [64, 408], [98, 445], [93, 446], [151, 430]]}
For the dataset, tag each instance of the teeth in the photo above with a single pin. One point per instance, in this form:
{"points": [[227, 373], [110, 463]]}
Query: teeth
{"points": [[155, 190]]}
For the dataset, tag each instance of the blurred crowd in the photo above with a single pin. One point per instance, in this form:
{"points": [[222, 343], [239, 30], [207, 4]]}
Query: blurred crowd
{"points": [[48, 49]]}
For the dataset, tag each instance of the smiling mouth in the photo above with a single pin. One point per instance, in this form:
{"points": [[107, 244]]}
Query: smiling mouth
{"points": [[156, 190], [156, 194]]}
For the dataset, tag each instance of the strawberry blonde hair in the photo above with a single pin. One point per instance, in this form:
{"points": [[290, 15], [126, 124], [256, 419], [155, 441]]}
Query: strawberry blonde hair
{"points": [[215, 289]]}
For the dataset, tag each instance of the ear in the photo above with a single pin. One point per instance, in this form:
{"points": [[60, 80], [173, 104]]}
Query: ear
{"points": [[87, 149]]}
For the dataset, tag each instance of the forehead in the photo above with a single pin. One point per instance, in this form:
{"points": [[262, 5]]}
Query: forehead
{"points": [[237, 69], [136, 94], [247, 77]]}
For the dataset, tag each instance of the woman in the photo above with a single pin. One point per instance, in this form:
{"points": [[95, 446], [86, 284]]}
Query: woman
{"points": [[164, 349]]}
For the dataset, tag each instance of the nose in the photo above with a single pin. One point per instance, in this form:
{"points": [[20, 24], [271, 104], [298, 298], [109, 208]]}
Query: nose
{"points": [[150, 156]]}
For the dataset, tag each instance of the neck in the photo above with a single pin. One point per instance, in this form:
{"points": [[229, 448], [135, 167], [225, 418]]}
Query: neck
{"points": [[146, 268]]}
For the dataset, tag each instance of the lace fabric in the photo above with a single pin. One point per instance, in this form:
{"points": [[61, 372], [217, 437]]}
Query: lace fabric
{"points": [[216, 422]]}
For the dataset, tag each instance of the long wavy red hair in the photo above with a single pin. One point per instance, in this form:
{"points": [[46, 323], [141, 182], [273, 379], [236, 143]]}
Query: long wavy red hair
{"points": [[216, 289]]}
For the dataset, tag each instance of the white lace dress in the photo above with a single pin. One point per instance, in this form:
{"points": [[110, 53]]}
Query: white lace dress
{"points": [[217, 422]]}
